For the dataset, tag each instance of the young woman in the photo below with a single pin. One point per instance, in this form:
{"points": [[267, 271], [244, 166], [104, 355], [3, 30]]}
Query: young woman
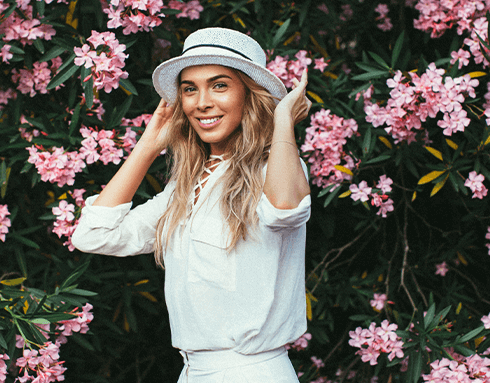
{"points": [[230, 225]]}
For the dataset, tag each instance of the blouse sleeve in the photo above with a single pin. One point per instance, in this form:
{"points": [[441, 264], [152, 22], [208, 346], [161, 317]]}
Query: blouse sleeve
{"points": [[119, 230], [278, 219]]}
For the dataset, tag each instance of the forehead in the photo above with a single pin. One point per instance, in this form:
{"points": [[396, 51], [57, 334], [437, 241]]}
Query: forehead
{"points": [[205, 72]]}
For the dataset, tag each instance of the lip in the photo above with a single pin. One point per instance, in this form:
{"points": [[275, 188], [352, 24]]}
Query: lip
{"points": [[210, 125]]}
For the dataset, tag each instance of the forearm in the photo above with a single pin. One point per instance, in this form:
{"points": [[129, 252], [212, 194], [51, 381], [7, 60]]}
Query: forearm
{"points": [[126, 181], [285, 183]]}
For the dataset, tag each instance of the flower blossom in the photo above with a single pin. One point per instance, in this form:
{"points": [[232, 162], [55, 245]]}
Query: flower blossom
{"points": [[441, 269], [35, 80], [56, 165], [374, 341], [378, 301], [24, 27], [287, 69], [486, 321], [41, 366], [105, 56], [301, 343], [475, 183], [134, 15], [3, 367], [461, 369], [191, 10], [324, 147], [384, 22], [4, 222], [360, 192], [415, 99]]}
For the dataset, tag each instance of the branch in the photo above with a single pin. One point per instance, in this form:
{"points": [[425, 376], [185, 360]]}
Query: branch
{"points": [[405, 259], [339, 251]]}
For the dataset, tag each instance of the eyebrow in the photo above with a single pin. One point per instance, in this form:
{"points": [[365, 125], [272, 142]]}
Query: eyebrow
{"points": [[211, 79]]}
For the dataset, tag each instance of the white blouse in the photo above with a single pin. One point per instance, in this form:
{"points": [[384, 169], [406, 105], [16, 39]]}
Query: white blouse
{"points": [[250, 300]]}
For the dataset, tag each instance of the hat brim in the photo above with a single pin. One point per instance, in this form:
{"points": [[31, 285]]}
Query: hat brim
{"points": [[166, 75]]}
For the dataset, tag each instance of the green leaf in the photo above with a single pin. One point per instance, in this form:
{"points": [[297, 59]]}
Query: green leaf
{"points": [[126, 84], [119, 113], [414, 367], [84, 293], [331, 196], [38, 44], [326, 190], [366, 144], [379, 60], [280, 33], [381, 158], [40, 321], [77, 273], [52, 53], [429, 316], [397, 49], [24, 241], [74, 118], [3, 344], [63, 75], [471, 334], [371, 75]]}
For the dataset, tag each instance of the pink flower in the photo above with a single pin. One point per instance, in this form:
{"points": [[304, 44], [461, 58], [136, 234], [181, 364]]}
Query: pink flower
{"points": [[379, 301], [301, 343], [486, 321], [320, 64], [318, 363], [441, 269], [376, 340], [107, 63], [64, 211], [4, 222], [475, 183], [3, 367], [360, 192]]}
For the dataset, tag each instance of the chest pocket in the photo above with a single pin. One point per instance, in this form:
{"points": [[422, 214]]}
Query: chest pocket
{"points": [[209, 262]]}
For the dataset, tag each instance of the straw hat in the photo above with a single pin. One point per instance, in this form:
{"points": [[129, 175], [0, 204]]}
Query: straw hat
{"points": [[217, 46]]}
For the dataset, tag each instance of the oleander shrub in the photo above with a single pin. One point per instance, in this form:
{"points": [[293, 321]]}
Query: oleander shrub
{"points": [[397, 145]]}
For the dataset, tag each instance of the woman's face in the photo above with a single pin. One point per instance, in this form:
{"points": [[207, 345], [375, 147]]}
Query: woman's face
{"points": [[213, 98]]}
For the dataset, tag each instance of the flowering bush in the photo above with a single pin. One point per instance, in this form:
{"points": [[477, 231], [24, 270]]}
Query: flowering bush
{"points": [[396, 144]]}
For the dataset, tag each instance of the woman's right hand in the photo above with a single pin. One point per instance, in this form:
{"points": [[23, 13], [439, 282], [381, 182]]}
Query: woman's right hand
{"points": [[155, 133]]}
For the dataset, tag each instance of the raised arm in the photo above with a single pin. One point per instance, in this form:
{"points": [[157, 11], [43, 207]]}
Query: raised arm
{"points": [[126, 181], [285, 182]]}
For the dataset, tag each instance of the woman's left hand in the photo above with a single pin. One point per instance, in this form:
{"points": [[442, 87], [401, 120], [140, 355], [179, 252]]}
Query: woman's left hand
{"points": [[296, 104]]}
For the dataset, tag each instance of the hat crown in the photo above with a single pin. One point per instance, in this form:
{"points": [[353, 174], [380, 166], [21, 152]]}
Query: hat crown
{"points": [[227, 39]]}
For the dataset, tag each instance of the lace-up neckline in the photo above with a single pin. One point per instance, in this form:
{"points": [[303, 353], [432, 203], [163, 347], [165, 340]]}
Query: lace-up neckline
{"points": [[209, 168]]}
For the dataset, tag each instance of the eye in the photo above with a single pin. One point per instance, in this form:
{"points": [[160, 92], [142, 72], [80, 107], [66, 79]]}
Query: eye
{"points": [[220, 85], [188, 89]]}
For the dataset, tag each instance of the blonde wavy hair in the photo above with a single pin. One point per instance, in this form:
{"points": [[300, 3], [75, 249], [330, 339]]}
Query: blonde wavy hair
{"points": [[248, 149]]}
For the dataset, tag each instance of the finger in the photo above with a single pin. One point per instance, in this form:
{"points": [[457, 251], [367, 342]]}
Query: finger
{"points": [[295, 82], [304, 76]]}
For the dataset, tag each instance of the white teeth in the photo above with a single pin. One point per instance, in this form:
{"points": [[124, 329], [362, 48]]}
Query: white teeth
{"points": [[209, 120]]}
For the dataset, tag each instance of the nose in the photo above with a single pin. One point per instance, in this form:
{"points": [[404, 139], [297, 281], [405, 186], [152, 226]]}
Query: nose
{"points": [[205, 101]]}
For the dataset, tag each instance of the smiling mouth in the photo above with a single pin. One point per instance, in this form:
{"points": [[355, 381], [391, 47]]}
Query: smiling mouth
{"points": [[206, 122]]}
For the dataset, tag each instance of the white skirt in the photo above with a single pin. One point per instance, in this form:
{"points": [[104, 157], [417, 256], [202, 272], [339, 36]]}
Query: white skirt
{"points": [[227, 366]]}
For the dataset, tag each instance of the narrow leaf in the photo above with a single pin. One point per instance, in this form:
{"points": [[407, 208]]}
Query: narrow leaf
{"points": [[343, 169], [430, 176], [126, 84], [345, 194], [438, 186], [472, 334], [397, 49], [280, 33], [385, 141], [379, 60], [62, 76], [436, 153]]}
